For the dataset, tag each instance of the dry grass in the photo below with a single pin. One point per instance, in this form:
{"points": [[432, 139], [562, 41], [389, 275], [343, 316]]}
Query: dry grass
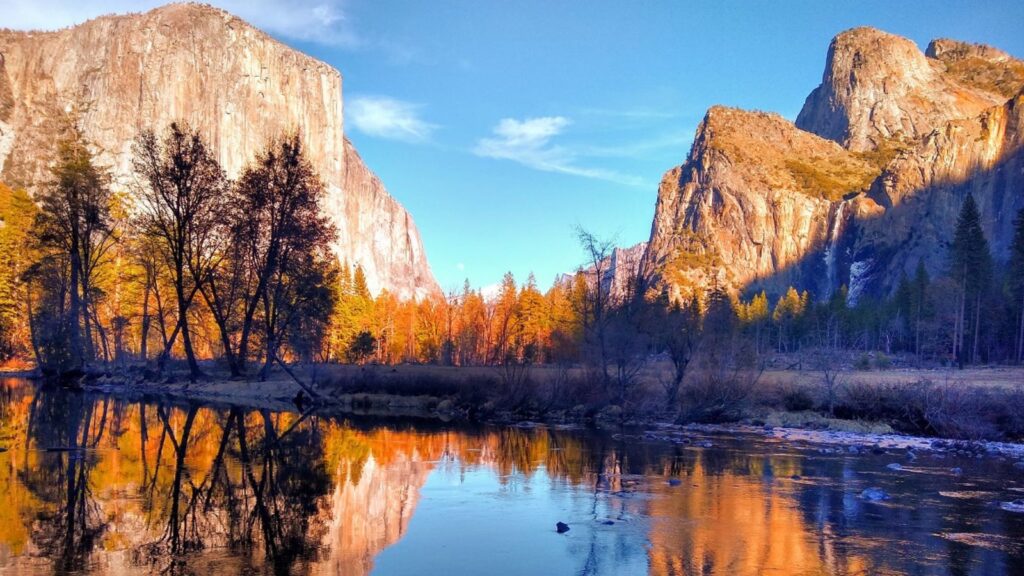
{"points": [[974, 404]]}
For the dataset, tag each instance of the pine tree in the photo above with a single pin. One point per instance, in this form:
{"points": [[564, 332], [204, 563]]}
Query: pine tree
{"points": [[74, 224], [971, 268], [902, 304], [1016, 280], [919, 303]]}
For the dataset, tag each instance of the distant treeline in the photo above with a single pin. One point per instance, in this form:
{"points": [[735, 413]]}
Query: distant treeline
{"points": [[188, 264]]}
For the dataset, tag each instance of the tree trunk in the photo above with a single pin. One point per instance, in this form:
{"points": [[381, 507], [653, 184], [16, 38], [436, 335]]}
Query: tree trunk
{"points": [[32, 327], [144, 335], [977, 328], [1020, 331], [75, 337], [958, 338]]}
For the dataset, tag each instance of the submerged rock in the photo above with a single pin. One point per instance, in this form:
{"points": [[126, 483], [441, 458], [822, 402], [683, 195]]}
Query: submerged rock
{"points": [[674, 481], [561, 527], [1015, 506], [875, 494]]}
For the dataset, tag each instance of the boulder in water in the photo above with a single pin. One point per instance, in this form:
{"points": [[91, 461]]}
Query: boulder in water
{"points": [[875, 494], [1015, 506]]}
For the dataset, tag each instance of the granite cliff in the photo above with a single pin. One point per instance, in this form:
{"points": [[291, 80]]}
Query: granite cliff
{"points": [[117, 75], [620, 271], [866, 182]]}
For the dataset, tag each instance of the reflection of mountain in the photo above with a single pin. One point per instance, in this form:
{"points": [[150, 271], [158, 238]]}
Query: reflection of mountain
{"points": [[370, 510], [210, 491], [375, 495], [738, 525]]}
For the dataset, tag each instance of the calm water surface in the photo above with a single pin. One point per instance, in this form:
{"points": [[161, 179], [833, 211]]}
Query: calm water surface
{"points": [[93, 484]]}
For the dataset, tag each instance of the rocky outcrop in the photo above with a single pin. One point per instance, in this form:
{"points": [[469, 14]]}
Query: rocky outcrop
{"points": [[380, 234], [620, 272], [983, 67], [117, 75], [755, 197], [761, 203], [921, 192], [878, 87]]}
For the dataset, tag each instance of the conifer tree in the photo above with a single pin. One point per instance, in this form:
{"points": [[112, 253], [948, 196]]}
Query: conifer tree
{"points": [[1016, 280], [920, 305], [971, 268], [74, 224]]}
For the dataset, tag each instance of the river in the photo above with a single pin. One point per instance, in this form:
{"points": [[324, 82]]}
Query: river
{"points": [[94, 484]]}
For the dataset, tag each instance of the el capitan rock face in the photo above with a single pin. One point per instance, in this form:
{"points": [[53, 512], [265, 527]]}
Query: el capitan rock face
{"points": [[121, 74], [867, 182]]}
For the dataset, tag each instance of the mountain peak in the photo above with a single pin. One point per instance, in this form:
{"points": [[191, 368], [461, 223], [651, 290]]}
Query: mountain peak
{"points": [[879, 87], [950, 50]]}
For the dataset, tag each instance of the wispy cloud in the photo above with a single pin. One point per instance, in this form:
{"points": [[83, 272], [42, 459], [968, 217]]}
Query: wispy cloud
{"points": [[529, 142], [390, 118], [637, 114], [320, 21], [675, 142]]}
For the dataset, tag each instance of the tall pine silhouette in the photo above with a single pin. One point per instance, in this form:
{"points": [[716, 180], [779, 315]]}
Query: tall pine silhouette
{"points": [[971, 268], [1016, 280]]}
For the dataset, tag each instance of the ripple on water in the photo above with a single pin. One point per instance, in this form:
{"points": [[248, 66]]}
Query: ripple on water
{"points": [[982, 540]]}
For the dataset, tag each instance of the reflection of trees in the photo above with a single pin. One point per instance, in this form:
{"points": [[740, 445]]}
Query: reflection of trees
{"points": [[274, 490], [71, 523], [284, 478], [263, 504]]}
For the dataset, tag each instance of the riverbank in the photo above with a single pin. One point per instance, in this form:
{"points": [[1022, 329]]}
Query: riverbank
{"points": [[979, 405], [827, 435]]}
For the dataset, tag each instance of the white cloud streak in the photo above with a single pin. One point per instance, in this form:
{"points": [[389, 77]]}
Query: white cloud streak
{"points": [[389, 118], [528, 142], [319, 21]]}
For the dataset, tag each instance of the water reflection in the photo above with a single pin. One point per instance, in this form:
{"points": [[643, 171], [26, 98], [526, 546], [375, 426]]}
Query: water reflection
{"points": [[112, 487]]}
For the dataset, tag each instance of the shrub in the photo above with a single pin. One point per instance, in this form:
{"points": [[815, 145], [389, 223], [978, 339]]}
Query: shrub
{"points": [[797, 399], [863, 362], [883, 362], [714, 397], [951, 410]]}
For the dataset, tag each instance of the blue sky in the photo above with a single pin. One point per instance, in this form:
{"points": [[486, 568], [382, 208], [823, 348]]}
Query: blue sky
{"points": [[502, 125]]}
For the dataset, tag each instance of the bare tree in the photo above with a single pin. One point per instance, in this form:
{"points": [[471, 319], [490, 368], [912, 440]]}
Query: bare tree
{"points": [[677, 330], [284, 238], [593, 309], [181, 202]]}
